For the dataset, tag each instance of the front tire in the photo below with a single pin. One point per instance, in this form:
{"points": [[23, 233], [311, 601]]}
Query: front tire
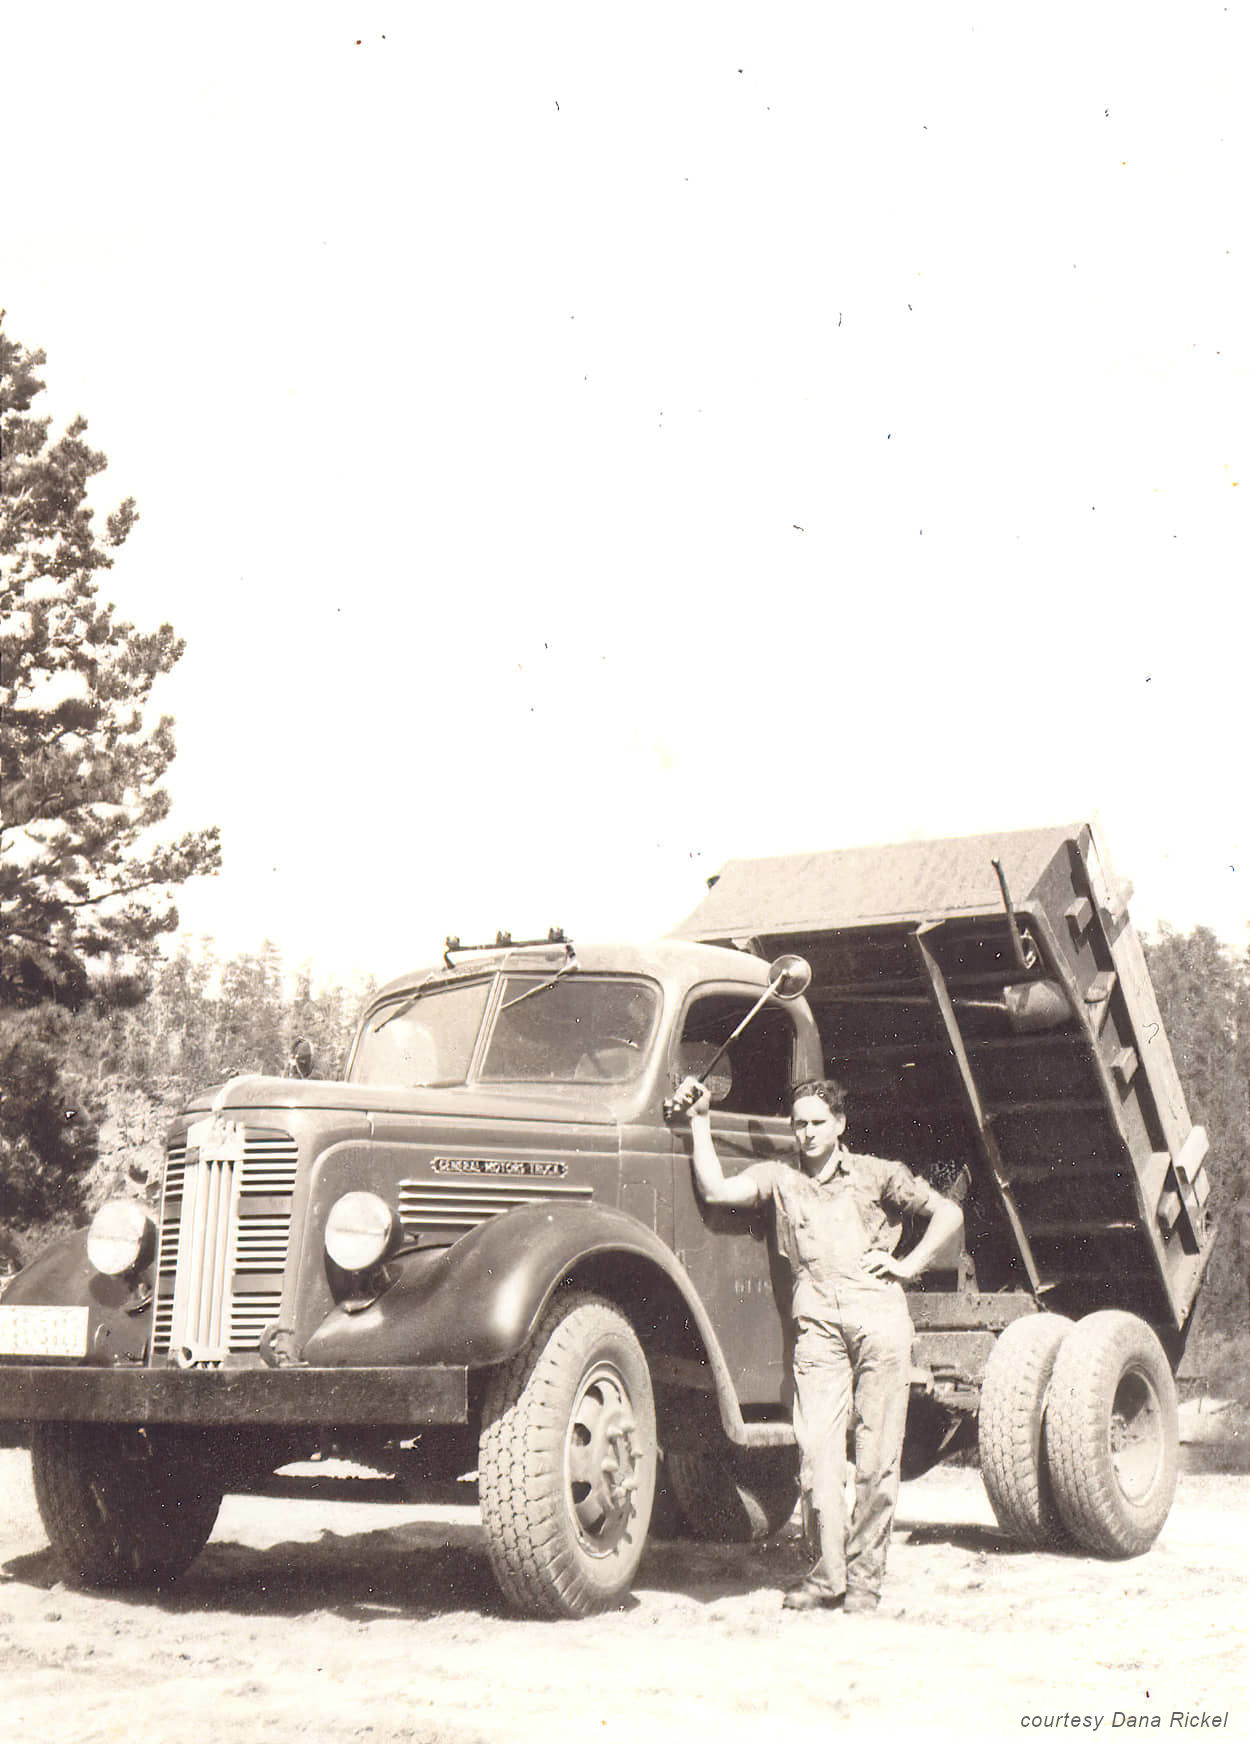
{"points": [[1014, 1397], [567, 1462], [1111, 1434], [122, 1506]]}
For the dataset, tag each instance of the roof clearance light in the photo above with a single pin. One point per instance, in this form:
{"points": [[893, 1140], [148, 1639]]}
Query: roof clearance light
{"points": [[359, 1230], [121, 1238]]}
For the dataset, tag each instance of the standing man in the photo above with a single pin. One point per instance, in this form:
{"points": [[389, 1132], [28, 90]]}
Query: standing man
{"points": [[836, 1220]]}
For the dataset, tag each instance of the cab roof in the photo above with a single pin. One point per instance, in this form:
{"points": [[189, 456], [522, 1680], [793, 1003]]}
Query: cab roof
{"points": [[672, 962]]}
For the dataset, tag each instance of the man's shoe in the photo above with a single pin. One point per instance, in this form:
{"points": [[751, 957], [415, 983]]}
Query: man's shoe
{"points": [[857, 1600], [810, 1595]]}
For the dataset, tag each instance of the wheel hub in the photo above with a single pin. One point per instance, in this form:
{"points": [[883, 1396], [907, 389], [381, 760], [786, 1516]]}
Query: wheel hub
{"points": [[601, 1460], [1137, 1438]]}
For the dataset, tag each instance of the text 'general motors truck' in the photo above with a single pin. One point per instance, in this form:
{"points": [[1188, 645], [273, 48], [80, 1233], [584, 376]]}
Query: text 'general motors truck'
{"points": [[482, 1253]]}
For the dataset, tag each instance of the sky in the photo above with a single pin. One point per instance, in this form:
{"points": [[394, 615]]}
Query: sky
{"points": [[582, 445]]}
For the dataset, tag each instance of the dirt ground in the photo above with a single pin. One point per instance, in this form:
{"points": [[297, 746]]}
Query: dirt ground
{"points": [[370, 1622]]}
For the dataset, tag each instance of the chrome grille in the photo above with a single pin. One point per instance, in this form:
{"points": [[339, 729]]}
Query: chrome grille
{"points": [[225, 1230], [450, 1208]]}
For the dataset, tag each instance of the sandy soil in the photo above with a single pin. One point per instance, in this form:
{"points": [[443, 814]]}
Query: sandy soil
{"points": [[372, 1622]]}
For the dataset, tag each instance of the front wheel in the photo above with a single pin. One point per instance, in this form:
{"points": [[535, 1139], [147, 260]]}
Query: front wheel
{"points": [[1111, 1434], [567, 1461], [122, 1506]]}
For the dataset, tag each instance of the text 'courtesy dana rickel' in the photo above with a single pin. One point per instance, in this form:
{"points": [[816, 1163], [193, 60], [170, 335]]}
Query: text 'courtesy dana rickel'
{"points": [[1120, 1719]]}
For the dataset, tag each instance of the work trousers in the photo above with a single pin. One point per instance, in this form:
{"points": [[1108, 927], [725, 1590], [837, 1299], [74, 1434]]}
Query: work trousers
{"points": [[862, 1359]]}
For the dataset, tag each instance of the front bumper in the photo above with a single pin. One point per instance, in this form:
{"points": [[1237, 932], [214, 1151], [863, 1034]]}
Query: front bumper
{"points": [[340, 1397]]}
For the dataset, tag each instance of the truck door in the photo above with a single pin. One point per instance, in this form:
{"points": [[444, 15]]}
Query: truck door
{"points": [[728, 1253]]}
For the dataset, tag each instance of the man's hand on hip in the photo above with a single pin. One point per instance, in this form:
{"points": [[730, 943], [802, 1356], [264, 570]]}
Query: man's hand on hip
{"points": [[879, 1264]]}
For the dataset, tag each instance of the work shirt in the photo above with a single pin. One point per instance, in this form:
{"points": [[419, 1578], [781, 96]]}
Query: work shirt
{"points": [[825, 1228]]}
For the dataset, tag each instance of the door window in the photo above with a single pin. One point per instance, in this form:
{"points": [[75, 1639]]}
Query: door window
{"points": [[756, 1073]]}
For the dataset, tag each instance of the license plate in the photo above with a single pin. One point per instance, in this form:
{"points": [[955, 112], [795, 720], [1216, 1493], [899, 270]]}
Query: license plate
{"points": [[40, 1331]]}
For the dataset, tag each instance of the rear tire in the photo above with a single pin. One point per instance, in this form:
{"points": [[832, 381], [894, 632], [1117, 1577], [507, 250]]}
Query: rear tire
{"points": [[1111, 1434], [1014, 1397], [122, 1507], [567, 1462], [735, 1497]]}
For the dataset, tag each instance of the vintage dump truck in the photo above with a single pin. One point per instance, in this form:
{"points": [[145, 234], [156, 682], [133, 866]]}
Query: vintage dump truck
{"points": [[481, 1254]]}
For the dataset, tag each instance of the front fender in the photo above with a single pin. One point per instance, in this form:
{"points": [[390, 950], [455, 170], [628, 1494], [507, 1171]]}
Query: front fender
{"points": [[120, 1317], [477, 1302], [60, 1275]]}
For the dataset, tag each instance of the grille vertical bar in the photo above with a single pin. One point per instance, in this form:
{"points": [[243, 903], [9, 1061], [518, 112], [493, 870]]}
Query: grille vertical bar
{"points": [[222, 1258], [190, 1253], [205, 1255]]}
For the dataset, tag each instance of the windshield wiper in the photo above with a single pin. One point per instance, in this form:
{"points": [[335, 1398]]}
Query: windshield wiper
{"points": [[407, 1004], [544, 986], [404, 1004]]}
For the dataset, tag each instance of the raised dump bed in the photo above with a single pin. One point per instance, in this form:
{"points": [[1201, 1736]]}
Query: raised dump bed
{"points": [[987, 1004]]}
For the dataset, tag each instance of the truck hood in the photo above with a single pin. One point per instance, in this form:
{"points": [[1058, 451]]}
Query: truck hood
{"points": [[578, 1103]]}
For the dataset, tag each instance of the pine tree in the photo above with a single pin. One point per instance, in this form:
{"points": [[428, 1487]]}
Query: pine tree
{"points": [[81, 766], [84, 890]]}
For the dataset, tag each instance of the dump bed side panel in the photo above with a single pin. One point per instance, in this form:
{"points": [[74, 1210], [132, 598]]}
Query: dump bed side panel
{"points": [[1042, 1065], [1098, 955]]}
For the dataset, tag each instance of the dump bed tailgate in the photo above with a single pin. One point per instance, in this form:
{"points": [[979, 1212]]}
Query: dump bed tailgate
{"points": [[1030, 1047]]}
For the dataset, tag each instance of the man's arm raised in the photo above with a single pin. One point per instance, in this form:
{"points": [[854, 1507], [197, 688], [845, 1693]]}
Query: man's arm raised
{"points": [[714, 1189]]}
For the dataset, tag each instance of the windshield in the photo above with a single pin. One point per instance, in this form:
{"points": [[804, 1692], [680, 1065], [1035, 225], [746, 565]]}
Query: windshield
{"points": [[546, 1030], [579, 1027], [424, 1039]]}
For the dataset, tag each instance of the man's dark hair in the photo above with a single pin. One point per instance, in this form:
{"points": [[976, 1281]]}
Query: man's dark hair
{"points": [[831, 1093]]}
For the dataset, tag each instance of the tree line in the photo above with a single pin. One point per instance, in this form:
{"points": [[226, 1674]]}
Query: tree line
{"points": [[1203, 991], [69, 1074]]}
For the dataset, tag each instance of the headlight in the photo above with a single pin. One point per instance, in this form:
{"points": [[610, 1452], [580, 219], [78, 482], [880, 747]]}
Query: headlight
{"points": [[359, 1230], [121, 1237]]}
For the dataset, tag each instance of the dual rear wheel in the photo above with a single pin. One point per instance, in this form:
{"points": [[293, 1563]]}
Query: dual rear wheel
{"points": [[1078, 1432]]}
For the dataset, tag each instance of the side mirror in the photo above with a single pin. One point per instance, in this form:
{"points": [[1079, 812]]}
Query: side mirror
{"points": [[790, 977], [300, 1064]]}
